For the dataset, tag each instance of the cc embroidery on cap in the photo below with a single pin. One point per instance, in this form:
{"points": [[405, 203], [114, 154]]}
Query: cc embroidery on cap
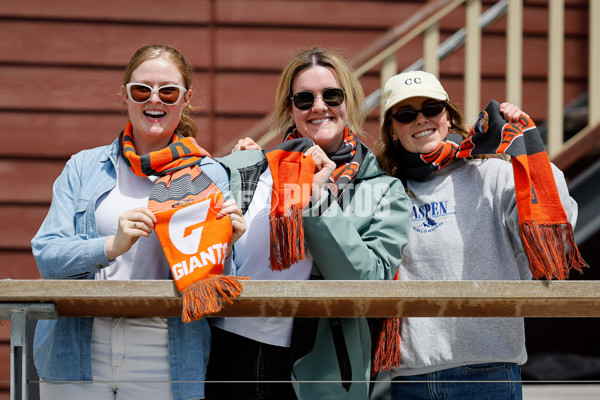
{"points": [[410, 81]]}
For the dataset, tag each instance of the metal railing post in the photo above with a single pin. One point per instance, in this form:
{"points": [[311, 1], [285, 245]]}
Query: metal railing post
{"points": [[514, 52], [18, 355], [472, 75], [555, 76], [20, 314], [389, 68], [431, 40], [594, 62]]}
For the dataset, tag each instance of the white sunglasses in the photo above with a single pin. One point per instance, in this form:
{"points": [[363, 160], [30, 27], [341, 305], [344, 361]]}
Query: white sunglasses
{"points": [[168, 94]]}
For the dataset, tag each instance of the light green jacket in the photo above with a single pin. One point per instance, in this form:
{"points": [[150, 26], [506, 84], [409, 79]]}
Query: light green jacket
{"points": [[362, 241]]}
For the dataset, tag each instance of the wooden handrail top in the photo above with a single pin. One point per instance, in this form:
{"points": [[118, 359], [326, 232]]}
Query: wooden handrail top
{"points": [[320, 298], [586, 141]]}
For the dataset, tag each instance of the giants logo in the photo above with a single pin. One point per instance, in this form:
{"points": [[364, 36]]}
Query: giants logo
{"points": [[186, 225]]}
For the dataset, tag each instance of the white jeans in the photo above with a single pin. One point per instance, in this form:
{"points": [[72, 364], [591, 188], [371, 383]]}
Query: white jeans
{"points": [[130, 361]]}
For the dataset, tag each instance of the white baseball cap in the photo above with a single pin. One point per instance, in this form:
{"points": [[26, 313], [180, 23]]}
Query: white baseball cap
{"points": [[412, 84]]}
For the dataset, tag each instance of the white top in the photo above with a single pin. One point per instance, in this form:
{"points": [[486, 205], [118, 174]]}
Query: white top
{"points": [[145, 259], [251, 258]]}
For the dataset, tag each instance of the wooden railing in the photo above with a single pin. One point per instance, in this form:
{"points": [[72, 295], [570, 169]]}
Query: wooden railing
{"points": [[319, 298], [425, 21], [25, 300]]}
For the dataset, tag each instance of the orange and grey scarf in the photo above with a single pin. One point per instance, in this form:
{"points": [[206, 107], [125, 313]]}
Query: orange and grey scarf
{"points": [[292, 174], [186, 202], [545, 231], [347, 160]]}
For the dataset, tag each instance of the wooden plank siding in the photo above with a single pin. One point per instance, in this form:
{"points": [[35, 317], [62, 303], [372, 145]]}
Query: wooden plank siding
{"points": [[61, 65]]}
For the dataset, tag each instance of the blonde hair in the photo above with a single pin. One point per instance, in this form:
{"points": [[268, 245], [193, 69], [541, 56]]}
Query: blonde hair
{"points": [[186, 126], [354, 95]]}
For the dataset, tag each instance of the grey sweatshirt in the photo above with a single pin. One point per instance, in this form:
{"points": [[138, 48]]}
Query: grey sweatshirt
{"points": [[465, 227]]}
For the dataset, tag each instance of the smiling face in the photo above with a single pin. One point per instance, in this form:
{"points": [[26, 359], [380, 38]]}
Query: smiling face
{"points": [[424, 134], [153, 122], [322, 123]]}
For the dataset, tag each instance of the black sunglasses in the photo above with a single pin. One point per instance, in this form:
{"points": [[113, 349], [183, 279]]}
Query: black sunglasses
{"points": [[407, 115], [304, 100]]}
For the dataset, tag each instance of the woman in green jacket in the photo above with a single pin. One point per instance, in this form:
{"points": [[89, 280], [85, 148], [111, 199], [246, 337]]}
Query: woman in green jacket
{"points": [[355, 227]]}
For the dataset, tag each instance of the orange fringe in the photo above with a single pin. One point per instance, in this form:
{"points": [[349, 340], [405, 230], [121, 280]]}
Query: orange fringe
{"points": [[287, 239], [545, 247], [205, 296], [387, 352]]}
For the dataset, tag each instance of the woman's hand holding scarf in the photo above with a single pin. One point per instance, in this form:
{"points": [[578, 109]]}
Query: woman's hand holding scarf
{"points": [[238, 224], [140, 221], [512, 113], [132, 224], [246, 144], [324, 168]]}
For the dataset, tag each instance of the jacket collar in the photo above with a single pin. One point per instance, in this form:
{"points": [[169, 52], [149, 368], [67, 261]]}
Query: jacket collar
{"points": [[369, 168], [112, 152]]}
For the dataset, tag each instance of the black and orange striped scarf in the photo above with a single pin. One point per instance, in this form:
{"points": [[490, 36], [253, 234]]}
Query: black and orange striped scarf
{"points": [[545, 231], [186, 202], [347, 159], [292, 174]]}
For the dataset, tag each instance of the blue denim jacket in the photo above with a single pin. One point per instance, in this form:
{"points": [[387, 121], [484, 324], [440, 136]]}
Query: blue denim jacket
{"points": [[67, 246]]}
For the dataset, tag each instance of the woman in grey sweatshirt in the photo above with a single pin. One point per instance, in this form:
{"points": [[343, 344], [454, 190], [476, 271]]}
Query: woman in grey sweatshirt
{"points": [[465, 226]]}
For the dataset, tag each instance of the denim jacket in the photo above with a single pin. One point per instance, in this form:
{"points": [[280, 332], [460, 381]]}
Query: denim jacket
{"points": [[67, 246]]}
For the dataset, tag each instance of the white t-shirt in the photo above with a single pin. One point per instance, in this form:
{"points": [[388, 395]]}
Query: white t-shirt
{"points": [[145, 259]]}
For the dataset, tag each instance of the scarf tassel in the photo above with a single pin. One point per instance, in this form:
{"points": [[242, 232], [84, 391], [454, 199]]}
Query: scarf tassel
{"points": [[205, 296], [387, 352], [287, 239], [545, 247]]}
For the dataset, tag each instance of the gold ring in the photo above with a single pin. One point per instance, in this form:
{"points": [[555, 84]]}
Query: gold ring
{"points": [[134, 224]]}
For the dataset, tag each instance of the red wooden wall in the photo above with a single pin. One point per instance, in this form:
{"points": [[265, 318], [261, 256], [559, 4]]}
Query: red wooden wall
{"points": [[61, 65]]}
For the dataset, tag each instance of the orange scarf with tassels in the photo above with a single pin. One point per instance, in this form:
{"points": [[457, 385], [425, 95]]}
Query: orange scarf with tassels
{"points": [[545, 231], [347, 159], [292, 173], [186, 202]]}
